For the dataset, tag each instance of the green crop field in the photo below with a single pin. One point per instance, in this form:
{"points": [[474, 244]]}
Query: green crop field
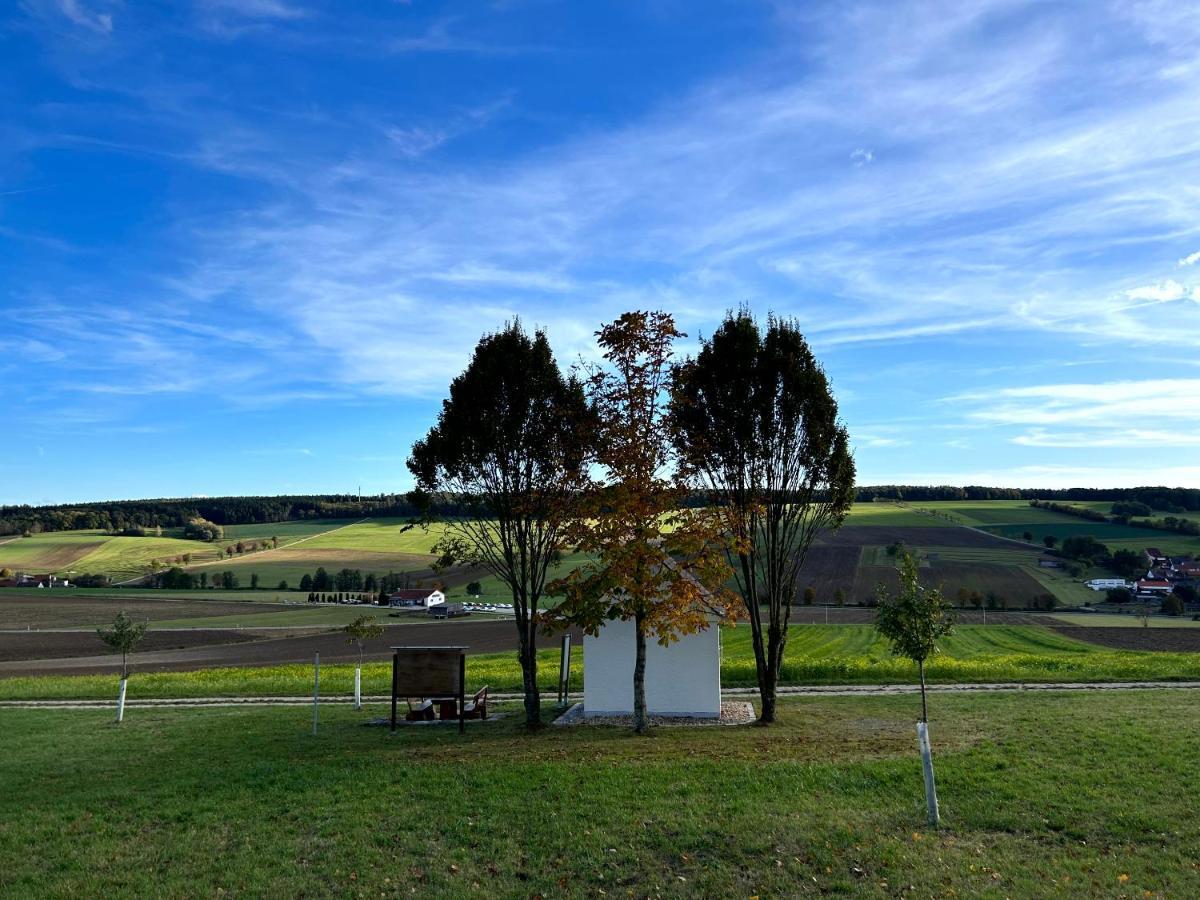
{"points": [[285, 531], [1037, 792], [1171, 544], [379, 536], [992, 512], [292, 564], [817, 654], [884, 513]]}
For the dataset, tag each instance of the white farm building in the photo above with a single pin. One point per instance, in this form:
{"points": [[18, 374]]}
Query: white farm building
{"points": [[419, 597], [682, 679]]}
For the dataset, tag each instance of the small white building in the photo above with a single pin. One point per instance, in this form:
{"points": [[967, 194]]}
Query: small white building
{"points": [[1106, 584], [682, 679], [421, 598]]}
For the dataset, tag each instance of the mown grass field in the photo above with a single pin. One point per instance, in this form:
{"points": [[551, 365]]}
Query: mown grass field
{"points": [[1038, 797], [817, 654]]}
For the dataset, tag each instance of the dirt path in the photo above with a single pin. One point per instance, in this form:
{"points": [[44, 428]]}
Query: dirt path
{"points": [[858, 690]]}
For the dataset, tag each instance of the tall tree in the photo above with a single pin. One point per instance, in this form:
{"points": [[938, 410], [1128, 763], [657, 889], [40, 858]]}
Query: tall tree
{"points": [[652, 560], [756, 425], [508, 452]]}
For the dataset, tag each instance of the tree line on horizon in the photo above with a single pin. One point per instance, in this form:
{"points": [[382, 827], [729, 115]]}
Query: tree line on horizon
{"points": [[141, 517]]}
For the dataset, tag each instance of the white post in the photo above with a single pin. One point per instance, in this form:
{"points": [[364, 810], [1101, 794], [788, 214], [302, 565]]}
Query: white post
{"points": [[358, 687], [316, 687], [927, 763], [121, 701]]}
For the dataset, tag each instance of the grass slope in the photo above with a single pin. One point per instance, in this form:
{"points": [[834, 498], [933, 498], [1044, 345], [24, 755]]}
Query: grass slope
{"points": [[1037, 793]]}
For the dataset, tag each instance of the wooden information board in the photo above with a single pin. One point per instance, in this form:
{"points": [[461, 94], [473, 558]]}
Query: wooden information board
{"points": [[430, 672]]}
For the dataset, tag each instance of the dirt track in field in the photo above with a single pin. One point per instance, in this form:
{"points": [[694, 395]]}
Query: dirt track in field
{"points": [[480, 636]]}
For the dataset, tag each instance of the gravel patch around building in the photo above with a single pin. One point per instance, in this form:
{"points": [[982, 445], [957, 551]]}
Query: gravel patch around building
{"points": [[733, 712]]}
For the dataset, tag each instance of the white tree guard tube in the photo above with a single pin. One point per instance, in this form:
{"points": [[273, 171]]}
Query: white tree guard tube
{"points": [[121, 701], [927, 764], [358, 687], [316, 687]]}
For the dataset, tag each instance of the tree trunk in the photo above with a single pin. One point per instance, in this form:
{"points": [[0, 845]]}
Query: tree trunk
{"points": [[766, 693], [527, 654], [769, 680], [639, 678]]}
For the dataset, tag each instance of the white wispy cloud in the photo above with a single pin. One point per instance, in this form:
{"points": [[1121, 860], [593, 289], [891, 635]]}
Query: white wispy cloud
{"points": [[1116, 405], [80, 14], [1191, 259], [1161, 292], [1110, 436], [416, 141], [1055, 476]]}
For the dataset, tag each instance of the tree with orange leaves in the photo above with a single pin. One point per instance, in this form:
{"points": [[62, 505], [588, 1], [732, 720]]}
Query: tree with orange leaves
{"points": [[652, 560]]}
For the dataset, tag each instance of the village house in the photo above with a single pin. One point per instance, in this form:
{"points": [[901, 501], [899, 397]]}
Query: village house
{"points": [[420, 598], [1152, 588]]}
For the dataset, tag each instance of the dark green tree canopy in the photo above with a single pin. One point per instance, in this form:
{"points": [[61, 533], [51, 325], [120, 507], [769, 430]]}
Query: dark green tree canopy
{"points": [[755, 413], [511, 420]]}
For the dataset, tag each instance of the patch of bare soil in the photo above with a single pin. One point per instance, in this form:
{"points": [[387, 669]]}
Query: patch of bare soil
{"points": [[478, 636], [54, 609], [67, 644], [1177, 640]]}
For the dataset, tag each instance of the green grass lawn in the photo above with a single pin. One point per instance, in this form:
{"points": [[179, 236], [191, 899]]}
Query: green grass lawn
{"points": [[1039, 797], [816, 654]]}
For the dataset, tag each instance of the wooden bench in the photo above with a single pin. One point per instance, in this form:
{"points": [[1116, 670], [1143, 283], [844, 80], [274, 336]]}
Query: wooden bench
{"points": [[421, 712], [477, 707]]}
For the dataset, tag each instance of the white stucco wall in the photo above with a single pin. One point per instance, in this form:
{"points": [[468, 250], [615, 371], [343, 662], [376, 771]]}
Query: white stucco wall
{"points": [[683, 679]]}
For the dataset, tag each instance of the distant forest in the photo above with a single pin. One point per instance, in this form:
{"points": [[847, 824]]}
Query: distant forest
{"points": [[119, 515]]}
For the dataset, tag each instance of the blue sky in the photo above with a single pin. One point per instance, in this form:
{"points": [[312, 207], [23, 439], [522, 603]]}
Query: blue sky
{"points": [[245, 244]]}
